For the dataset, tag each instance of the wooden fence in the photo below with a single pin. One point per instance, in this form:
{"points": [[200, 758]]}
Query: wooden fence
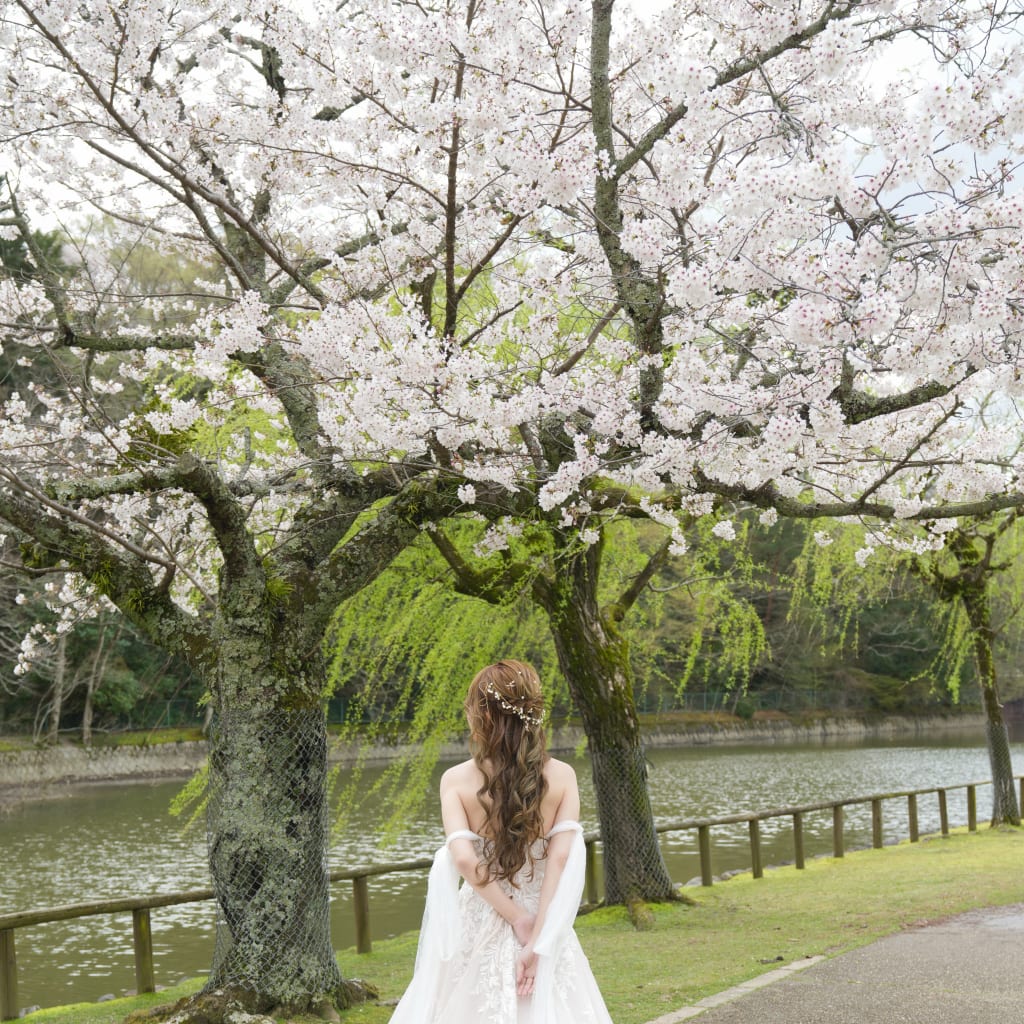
{"points": [[140, 907]]}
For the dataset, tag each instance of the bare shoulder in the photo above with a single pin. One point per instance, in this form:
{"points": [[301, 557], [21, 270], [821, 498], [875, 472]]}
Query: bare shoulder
{"points": [[460, 776], [559, 773]]}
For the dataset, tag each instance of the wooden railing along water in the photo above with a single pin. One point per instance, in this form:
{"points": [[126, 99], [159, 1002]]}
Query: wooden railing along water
{"points": [[140, 907]]}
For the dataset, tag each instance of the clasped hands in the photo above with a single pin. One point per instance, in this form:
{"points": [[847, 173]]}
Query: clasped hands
{"points": [[526, 962]]}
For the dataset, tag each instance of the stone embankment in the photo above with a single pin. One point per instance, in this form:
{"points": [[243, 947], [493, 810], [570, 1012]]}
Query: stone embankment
{"points": [[811, 730], [46, 766], [25, 772]]}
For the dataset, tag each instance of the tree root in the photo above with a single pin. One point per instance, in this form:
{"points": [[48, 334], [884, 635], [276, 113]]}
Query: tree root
{"points": [[641, 915], [680, 897], [242, 1006]]}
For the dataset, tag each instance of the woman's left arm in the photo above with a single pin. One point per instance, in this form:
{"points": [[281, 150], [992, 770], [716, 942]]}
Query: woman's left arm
{"points": [[453, 814]]}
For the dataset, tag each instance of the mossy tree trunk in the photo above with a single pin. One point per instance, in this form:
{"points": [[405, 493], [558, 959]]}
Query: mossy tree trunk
{"points": [[268, 826], [972, 549], [1004, 795], [594, 659]]}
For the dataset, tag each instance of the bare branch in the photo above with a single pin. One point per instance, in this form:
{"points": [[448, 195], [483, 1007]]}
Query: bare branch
{"points": [[115, 571], [640, 581]]}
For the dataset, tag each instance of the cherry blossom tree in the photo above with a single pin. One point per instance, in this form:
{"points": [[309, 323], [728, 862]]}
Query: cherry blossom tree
{"points": [[536, 260]]}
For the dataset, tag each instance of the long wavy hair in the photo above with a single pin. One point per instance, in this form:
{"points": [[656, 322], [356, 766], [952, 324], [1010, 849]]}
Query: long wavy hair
{"points": [[504, 708]]}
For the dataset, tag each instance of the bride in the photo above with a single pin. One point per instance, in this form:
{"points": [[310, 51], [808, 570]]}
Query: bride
{"points": [[502, 950]]}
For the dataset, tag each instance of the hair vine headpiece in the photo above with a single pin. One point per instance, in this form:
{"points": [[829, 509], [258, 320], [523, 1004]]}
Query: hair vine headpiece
{"points": [[520, 712]]}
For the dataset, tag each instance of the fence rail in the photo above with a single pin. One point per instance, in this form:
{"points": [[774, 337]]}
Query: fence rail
{"points": [[140, 907]]}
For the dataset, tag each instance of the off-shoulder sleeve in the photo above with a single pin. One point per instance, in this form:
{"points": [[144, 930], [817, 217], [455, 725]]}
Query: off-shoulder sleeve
{"points": [[558, 920], [440, 935]]}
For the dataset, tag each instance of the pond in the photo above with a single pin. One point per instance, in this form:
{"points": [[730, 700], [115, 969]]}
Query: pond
{"points": [[105, 840]]}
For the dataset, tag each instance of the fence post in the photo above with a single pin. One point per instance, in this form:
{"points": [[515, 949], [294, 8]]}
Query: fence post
{"points": [[591, 872], [972, 809], [1021, 791], [876, 824], [943, 813], [361, 905], [142, 941], [837, 830], [798, 839], [755, 848], [704, 843], [8, 976], [912, 815]]}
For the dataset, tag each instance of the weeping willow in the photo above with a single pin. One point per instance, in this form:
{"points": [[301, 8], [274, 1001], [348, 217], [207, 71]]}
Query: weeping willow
{"points": [[831, 588], [704, 607], [403, 650]]}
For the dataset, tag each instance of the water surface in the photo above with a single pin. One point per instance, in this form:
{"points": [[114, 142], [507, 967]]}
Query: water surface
{"points": [[119, 840]]}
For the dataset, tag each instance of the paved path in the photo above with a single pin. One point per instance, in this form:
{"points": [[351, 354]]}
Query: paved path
{"points": [[965, 970]]}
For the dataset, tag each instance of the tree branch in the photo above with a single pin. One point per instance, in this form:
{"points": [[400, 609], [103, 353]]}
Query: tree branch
{"points": [[119, 575], [767, 496], [491, 585], [71, 338], [290, 381], [63, 511], [858, 406], [363, 557], [832, 12], [227, 519], [638, 584], [639, 293], [570, 361], [169, 165], [322, 523]]}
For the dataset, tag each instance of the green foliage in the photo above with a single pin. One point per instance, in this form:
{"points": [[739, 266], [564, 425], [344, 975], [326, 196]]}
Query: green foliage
{"points": [[744, 708], [192, 799], [887, 616], [17, 263], [278, 588], [130, 679], [402, 652], [699, 626], [120, 690]]}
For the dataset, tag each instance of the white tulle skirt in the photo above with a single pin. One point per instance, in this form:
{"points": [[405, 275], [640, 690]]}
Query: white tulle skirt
{"points": [[466, 961]]}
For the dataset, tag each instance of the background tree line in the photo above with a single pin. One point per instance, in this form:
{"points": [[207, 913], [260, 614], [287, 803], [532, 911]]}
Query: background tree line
{"points": [[770, 620]]}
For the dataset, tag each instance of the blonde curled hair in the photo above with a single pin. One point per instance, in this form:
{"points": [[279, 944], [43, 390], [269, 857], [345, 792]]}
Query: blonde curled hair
{"points": [[504, 708]]}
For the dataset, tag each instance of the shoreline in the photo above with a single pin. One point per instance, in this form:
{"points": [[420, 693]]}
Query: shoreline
{"points": [[47, 772]]}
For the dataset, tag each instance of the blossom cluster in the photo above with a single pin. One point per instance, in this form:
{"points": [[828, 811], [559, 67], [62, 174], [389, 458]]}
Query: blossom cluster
{"points": [[403, 255]]}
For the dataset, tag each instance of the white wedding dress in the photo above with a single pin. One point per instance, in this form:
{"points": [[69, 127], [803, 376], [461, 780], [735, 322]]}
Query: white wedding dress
{"points": [[466, 960]]}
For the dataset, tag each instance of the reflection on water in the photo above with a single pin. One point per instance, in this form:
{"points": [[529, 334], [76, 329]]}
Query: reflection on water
{"points": [[119, 840]]}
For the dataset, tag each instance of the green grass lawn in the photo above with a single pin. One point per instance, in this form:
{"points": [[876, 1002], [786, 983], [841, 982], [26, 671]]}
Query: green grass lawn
{"points": [[736, 931]]}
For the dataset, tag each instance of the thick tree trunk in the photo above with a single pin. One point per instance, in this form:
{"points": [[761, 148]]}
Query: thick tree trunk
{"points": [[268, 834], [268, 831], [1004, 795], [595, 662]]}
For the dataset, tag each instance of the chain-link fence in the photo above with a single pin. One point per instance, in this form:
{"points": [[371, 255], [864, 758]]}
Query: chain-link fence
{"points": [[631, 852], [267, 837]]}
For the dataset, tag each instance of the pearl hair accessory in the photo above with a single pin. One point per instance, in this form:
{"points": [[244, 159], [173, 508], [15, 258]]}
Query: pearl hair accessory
{"points": [[522, 713]]}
